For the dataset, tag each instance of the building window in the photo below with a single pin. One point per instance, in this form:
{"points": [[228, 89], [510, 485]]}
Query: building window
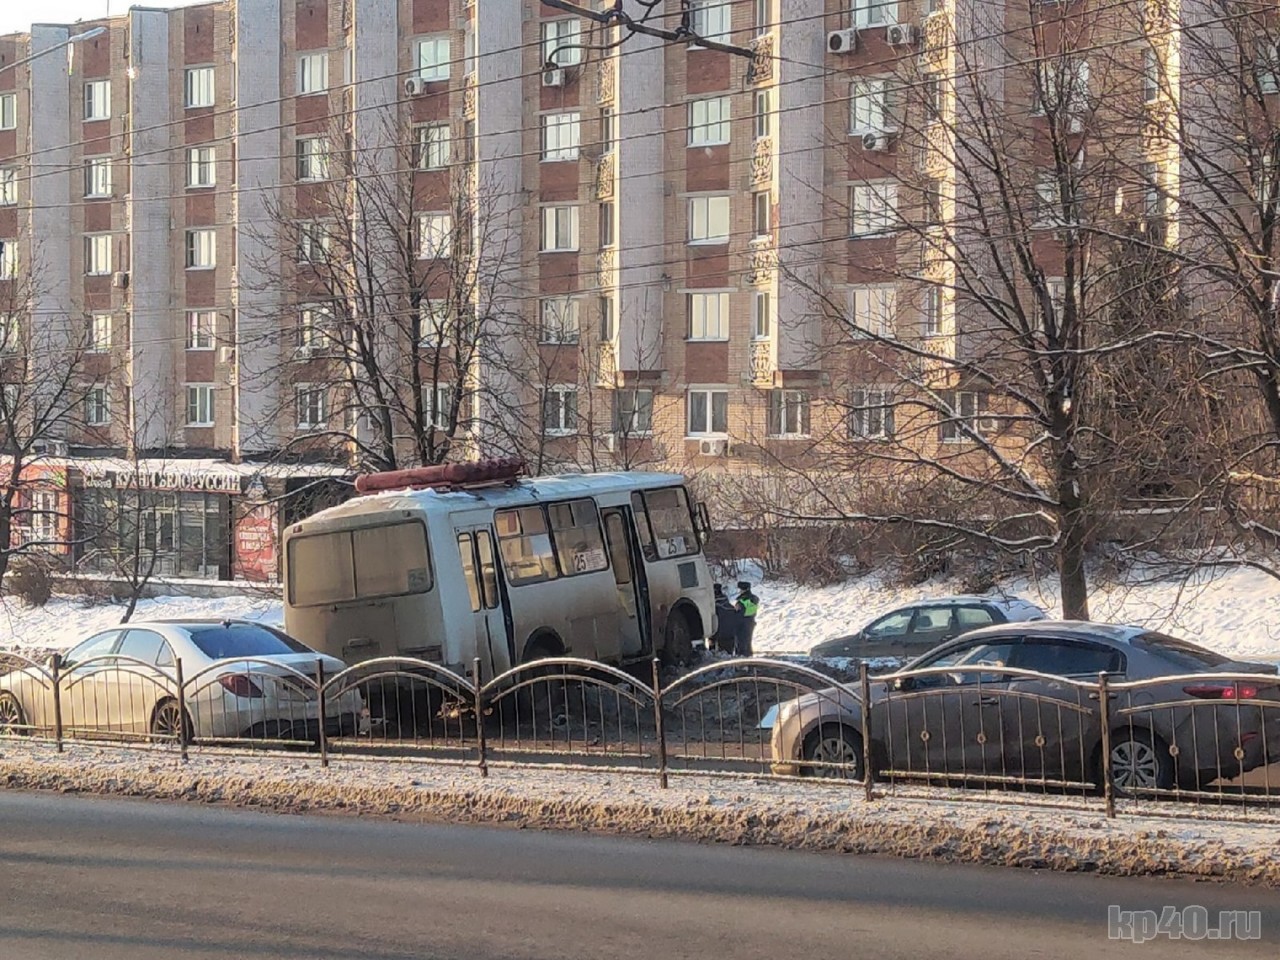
{"points": [[708, 219], [200, 405], [710, 19], [97, 100], [202, 249], [97, 177], [868, 105], [199, 87], [433, 58], [561, 42], [763, 118], [788, 413], [8, 186], [965, 414], [312, 403], [1266, 67], [202, 325], [560, 411], [313, 158], [872, 208], [1150, 76], [8, 259], [433, 323], [608, 129], [44, 517], [559, 229], [1064, 88], [608, 320], [761, 213], [560, 136], [437, 405], [97, 254], [933, 98], [708, 316], [313, 242], [932, 198], [874, 310], [762, 315], [560, 320], [632, 411], [97, 409], [8, 111], [434, 141], [100, 333], [315, 327], [871, 414], [435, 235], [313, 73], [10, 335], [708, 412], [201, 171], [708, 121], [762, 17], [608, 232], [931, 322], [870, 13]]}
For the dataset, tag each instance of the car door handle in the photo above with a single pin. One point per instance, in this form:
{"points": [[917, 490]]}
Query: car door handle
{"points": [[1110, 696], [986, 701]]}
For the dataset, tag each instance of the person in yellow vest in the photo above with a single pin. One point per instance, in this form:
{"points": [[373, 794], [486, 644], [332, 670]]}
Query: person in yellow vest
{"points": [[748, 605]]}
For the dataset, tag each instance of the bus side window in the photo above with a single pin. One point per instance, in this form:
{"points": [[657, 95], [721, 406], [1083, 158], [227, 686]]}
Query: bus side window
{"points": [[618, 548], [469, 569], [642, 527], [525, 545], [579, 546], [488, 569]]}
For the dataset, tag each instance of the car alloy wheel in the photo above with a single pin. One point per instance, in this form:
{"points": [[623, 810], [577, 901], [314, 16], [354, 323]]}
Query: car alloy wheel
{"points": [[12, 719], [1135, 765], [834, 753], [166, 722]]}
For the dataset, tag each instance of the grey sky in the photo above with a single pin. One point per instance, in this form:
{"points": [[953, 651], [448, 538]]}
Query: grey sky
{"points": [[16, 16]]}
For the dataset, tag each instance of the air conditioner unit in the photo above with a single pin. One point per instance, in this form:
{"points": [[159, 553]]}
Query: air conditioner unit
{"points": [[875, 141], [842, 41], [120, 280], [414, 86], [553, 78], [988, 426], [305, 351], [607, 442], [900, 34], [226, 354], [713, 448], [1075, 125]]}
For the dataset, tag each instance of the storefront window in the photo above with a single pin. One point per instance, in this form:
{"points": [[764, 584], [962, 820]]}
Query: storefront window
{"points": [[185, 533]]}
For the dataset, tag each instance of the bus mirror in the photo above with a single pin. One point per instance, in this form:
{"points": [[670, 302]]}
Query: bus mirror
{"points": [[704, 522]]}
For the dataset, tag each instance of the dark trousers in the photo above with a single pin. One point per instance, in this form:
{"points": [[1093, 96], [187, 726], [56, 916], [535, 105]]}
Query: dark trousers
{"points": [[742, 640]]}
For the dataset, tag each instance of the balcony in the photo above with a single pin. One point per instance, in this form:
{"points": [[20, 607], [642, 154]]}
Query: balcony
{"points": [[762, 160], [606, 174], [763, 260], [936, 39], [761, 68], [606, 266], [606, 366], [763, 366], [607, 82]]}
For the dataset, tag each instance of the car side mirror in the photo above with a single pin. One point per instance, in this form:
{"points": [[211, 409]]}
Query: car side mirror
{"points": [[905, 684]]}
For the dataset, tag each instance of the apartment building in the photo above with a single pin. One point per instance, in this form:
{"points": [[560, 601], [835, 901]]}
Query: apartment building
{"points": [[679, 239]]}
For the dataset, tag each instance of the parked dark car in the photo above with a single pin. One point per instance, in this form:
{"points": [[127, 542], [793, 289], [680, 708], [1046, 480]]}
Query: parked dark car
{"points": [[987, 724], [917, 627]]}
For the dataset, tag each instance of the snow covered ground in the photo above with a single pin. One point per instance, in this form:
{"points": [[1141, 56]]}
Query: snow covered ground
{"points": [[1236, 612]]}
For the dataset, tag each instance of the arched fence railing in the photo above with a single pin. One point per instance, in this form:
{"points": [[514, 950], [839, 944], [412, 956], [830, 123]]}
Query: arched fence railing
{"points": [[975, 730]]}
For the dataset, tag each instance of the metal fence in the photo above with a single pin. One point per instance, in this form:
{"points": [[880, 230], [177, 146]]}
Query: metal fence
{"points": [[978, 731]]}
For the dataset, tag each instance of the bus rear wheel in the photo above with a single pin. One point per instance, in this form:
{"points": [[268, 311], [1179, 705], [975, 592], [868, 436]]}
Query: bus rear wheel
{"points": [[677, 648], [544, 699]]}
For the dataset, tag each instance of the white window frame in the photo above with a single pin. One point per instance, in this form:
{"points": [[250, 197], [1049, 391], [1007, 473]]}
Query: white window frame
{"points": [[435, 235], [566, 33], [933, 306], [1267, 68], [870, 106], [202, 248], [313, 159], [316, 324], [794, 412], [8, 111], [432, 55], [710, 120], [97, 100], [44, 515], [1076, 74], [560, 320], [8, 186], [871, 413], [1048, 200], [201, 399], [10, 334], [708, 315], [1150, 75], [873, 208], [711, 20], [199, 89], [313, 73], [970, 406], [565, 422], [560, 223], [710, 220], [561, 135], [435, 146], [636, 425], [707, 428], [97, 405], [100, 325], [202, 329], [97, 183], [873, 308], [874, 13], [8, 259], [202, 160], [99, 251], [311, 406], [433, 323], [762, 319], [762, 117], [314, 242], [437, 403]]}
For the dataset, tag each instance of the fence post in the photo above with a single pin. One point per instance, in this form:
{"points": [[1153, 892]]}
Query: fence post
{"points": [[865, 680], [482, 746], [55, 664], [322, 707], [182, 708], [657, 721], [1104, 717]]}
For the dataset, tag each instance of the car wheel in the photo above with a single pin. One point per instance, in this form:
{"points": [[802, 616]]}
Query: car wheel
{"points": [[833, 751], [677, 649], [1140, 762], [12, 718], [168, 722]]}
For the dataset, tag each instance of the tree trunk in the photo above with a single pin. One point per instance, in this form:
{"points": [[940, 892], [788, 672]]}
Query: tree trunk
{"points": [[1071, 558]]}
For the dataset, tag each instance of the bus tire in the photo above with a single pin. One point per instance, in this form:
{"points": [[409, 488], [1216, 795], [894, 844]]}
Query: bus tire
{"points": [[543, 700], [677, 647]]}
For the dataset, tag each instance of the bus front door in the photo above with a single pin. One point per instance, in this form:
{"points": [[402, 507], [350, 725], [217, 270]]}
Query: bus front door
{"points": [[628, 575], [480, 570]]}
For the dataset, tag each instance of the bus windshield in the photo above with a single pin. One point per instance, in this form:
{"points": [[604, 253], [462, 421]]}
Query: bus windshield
{"points": [[671, 523], [383, 561]]}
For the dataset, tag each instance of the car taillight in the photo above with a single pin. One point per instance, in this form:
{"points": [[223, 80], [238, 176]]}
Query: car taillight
{"points": [[241, 685], [1222, 691]]}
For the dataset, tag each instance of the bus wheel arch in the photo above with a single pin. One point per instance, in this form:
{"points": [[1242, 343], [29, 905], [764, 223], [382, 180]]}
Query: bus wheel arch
{"points": [[683, 627], [542, 643]]}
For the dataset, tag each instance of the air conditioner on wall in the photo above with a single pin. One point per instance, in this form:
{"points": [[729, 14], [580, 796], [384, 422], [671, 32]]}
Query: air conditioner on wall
{"points": [[842, 41], [553, 78], [120, 279], [900, 34], [875, 141], [713, 448], [607, 442], [414, 86]]}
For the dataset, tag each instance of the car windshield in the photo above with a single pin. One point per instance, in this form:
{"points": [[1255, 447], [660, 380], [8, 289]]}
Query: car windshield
{"points": [[222, 641], [1178, 652]]}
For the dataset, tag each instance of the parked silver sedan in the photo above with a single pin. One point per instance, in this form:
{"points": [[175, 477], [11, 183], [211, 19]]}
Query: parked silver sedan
{"points": [[241, 681]]}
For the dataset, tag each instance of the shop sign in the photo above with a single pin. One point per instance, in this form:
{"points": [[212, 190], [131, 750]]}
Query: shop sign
{"points": [[196, 481]]}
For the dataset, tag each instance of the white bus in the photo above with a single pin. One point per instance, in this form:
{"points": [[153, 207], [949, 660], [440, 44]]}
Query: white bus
{"points": [[608, 567]]}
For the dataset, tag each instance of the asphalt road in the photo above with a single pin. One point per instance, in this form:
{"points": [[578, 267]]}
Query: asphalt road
{"points": [[120, 880]]}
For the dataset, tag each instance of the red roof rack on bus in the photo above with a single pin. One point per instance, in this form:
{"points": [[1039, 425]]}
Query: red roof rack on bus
{"points": [[450, 476]]}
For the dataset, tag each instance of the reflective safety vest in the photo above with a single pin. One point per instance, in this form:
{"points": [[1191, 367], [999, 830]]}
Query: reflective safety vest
{"points": [[750, 605]]}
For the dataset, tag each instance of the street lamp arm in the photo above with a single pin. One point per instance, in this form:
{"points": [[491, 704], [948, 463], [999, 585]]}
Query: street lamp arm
{"points": [[75, 38]]}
